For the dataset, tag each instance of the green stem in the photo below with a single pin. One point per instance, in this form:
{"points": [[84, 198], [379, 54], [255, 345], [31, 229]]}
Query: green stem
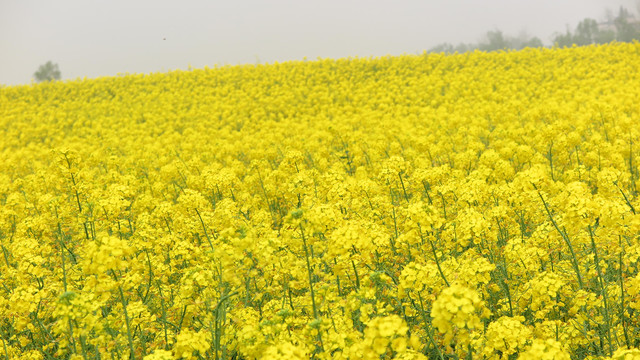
{"points": [[622, 312], [72, 343], [164, 316], [428, 328], [564, 236], [83, 346], [64, 270], [6, 257], [73, 181], [435, 256], [218, 327], [204, 228], [426, 191], [631, 172], [603, 289], [550, 158], [306, 255], [506, 286], [404, 190], [126, 320], [4, 344], [313, 298], [353, 264], [395, 226], [626, 199], [444, 205]]}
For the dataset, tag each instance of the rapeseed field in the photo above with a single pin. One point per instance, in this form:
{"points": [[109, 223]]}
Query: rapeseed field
{"points": [[467, 206]]}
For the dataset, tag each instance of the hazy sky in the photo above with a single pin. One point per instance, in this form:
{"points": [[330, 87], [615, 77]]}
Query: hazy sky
{"points": [[101, 38]]}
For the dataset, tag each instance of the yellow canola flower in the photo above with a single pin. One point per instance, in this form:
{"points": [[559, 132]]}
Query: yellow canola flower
{"points": [[634, 292], [159, 355], [189, 342], [545, 350], [110, 254], [624, 353], [384, 336], [543, 292], [457, 312], [506, 336], [284, 351]]}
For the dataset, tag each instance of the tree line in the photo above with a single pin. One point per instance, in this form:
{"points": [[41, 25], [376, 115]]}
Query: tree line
{"points": [[624, 27]]}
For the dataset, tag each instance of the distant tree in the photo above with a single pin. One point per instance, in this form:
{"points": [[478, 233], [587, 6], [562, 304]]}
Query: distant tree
{"points": [[462, 47], [606, 36], [495, 40], [626, 31], [563, 40], [533, 42], [442, 48], [523, 40], [47, 72], [450, 48], [587, 32]]}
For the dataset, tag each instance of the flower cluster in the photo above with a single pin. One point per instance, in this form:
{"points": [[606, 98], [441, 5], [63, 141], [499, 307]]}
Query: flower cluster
{"points": [[457, 313]]}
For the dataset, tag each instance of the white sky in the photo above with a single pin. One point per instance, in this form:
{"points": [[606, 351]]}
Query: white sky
{"points": [[105, 37]]}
